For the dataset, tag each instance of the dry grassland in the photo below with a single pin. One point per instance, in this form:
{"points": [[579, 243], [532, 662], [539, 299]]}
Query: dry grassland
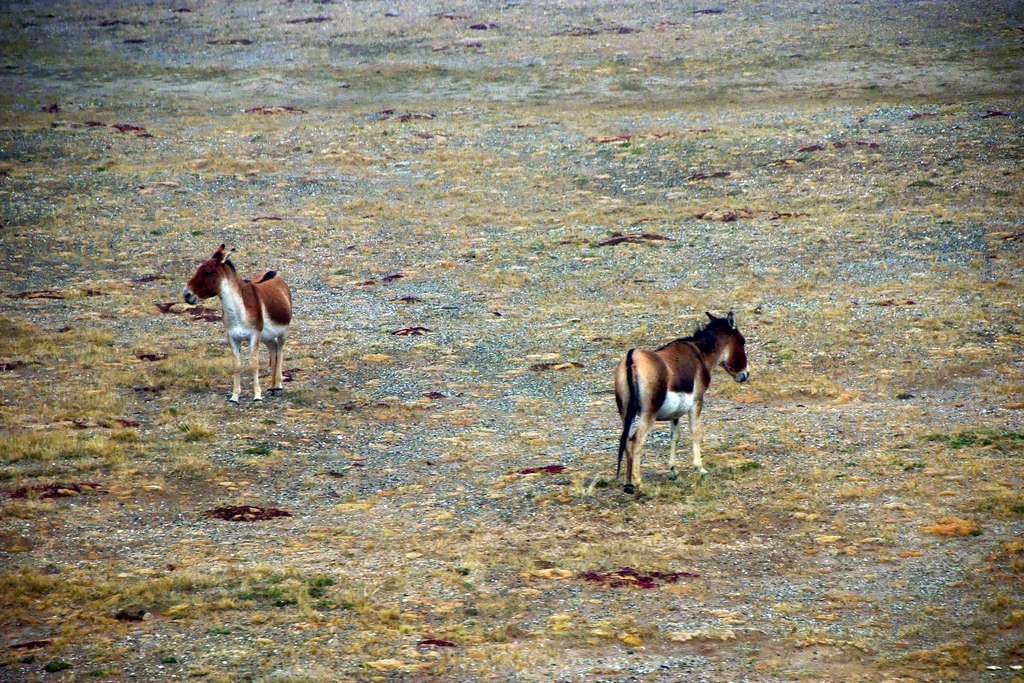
{"points": [[846, 177]]}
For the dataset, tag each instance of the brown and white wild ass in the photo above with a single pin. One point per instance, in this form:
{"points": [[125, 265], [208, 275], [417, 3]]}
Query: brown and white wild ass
{"points": [[253, 312], [667, 383]]}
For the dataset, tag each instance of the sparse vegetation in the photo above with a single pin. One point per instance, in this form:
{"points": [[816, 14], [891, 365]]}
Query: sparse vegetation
{"points": [[1005, 441], [479, 210]]}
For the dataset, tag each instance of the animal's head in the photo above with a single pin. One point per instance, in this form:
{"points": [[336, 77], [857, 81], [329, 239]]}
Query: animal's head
{"points": [[734, 355], [206, 280]]}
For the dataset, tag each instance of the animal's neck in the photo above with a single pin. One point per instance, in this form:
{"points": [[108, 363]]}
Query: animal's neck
{"points": [[710, 347], [231, 298], [715, 354]]}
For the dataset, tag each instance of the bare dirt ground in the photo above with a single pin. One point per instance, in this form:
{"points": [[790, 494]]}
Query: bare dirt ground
{"points": [[442, 186]]}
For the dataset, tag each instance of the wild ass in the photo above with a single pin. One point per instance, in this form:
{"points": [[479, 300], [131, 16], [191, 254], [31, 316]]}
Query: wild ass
{"points": [[669, 382], [253, 312]]}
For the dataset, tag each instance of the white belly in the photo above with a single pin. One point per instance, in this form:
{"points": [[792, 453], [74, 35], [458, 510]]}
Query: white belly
{"points": [[273, 334], [675, 405]]}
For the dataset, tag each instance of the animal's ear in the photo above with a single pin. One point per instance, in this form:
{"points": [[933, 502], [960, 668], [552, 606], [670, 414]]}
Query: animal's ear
{"points": [[708, 314], [732, 321], [219, 254]]}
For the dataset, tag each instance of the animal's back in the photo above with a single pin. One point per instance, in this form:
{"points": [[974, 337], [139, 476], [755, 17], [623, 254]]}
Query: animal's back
{"points": [[276, 297]]}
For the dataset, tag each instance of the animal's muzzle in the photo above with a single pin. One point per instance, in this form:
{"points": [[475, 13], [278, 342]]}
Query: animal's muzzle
{"points": [[742, 376], [190, 297]]}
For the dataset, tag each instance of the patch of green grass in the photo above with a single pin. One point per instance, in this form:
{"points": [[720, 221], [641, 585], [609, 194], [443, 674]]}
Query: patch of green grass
{"points": [[317, 585], [56, 665], [1000, 440]]}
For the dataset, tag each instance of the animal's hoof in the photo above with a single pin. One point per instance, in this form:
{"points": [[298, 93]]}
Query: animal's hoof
{"points": [[257, 398], [275, 391], [629, 488], [233, 401], [702, 471], [672, 474]]}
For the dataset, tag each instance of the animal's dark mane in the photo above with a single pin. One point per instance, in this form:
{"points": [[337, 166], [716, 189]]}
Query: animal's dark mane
{"points": [[703, 337], [229, 264], [269, 275]]}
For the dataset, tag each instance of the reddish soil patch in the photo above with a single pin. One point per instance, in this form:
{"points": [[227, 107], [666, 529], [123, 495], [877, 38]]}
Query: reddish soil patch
{"points": [[627, 576], [245, 513]]}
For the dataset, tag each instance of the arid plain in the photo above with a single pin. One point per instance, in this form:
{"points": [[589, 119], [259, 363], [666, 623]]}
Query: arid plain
{"points": [[480, 207]]}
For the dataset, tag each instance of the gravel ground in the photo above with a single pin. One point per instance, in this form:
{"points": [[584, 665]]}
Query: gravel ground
{"points": [[870, 153]]}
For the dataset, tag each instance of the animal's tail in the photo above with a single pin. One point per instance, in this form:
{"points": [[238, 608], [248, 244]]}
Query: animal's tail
{"points": [[632, 408]]}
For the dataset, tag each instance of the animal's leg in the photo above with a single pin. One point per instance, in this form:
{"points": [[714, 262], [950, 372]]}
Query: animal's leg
{"points": [[673, 438], [272, 352], [254, 364], [278, 379], [628, 487], [272, 357], [695, 434], [634, 445], [236, 357]]}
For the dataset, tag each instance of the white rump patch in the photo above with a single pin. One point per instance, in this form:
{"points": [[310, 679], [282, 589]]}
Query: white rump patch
{"points": [[675, 405], [271, 333]]}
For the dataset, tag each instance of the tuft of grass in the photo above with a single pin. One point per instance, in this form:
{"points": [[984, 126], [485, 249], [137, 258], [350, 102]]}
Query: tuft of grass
{"points": [[59, 452], [27, 585], [196, 431]]}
